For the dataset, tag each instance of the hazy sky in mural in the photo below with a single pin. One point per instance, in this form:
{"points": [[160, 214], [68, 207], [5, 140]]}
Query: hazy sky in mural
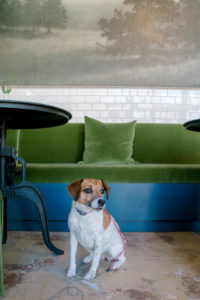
{"points": [[85, 14], [75, 53]]}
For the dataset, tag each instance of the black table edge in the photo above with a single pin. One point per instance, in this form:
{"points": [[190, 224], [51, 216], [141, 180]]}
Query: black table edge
{"points": [[192, 125]]}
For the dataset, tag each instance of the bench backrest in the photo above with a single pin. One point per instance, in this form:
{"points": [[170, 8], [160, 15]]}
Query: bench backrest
{"points": [[153, 143]]}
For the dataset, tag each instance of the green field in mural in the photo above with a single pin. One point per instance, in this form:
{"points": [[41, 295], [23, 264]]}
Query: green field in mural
{"points": [[100, 42]]}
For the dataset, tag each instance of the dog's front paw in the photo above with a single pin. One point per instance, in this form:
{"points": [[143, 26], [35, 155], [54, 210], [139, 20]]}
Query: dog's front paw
{"points": [[90, 275], [87, 259], [71, 273]]}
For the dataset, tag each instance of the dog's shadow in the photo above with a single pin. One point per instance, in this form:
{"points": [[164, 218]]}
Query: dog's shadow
{"points": [[83, 268]]}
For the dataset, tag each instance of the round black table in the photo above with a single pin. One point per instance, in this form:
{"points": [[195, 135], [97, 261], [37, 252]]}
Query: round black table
{"points": [[25, 115], [193, 125]]}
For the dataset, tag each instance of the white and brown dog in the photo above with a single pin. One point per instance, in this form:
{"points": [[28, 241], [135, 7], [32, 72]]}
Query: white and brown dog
{"points": [[93, 227]]}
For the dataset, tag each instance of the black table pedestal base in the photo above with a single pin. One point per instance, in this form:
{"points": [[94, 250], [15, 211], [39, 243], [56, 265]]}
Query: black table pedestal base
{"points": [[25, 115], [30, 192], [23, 190]]}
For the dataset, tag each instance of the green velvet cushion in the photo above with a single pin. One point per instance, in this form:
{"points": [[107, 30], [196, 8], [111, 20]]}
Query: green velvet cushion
{"points": [[108, 143], [12, 138], [153, 143], [119, 173], [1, 227], [61, 144], [166, 144]]}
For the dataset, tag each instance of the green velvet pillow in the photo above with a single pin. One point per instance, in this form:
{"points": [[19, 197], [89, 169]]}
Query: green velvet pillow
{"points": [[108, 143]]}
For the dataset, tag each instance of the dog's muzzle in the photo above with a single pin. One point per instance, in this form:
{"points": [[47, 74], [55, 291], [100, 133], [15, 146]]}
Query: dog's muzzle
{"points": [[97, 204]]}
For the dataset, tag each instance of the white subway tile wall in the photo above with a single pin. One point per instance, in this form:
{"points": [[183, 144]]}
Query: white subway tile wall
{"points": [[152, 105]]}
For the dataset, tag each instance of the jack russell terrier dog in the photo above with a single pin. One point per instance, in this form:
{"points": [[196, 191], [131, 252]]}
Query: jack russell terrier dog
{"points": [[93, 227]]}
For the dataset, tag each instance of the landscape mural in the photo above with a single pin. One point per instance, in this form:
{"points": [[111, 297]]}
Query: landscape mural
{"points": [[100, 42]]}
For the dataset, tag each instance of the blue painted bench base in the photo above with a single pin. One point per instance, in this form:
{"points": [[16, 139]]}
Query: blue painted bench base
{"points": [[136, 207]]}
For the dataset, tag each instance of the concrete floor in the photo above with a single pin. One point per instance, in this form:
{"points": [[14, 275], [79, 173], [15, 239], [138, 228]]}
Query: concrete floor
{"points": [[159, 266]]}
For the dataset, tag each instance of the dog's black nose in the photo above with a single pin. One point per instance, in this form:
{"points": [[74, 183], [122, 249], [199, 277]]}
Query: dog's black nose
{"points": [[101, 202]]}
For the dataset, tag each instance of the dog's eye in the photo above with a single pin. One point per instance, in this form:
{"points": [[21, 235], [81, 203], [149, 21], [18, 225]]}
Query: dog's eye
{"points": [[102, 191], [88, 191]]}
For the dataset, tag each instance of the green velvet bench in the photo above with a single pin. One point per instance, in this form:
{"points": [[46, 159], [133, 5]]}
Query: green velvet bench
{"points": [[167, 153], [161, 189]]}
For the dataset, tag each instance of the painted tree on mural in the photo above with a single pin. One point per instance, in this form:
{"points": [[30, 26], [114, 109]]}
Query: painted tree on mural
{"points": [[32, 15], [3, 11], [53, 15], [142, 26], [190, 15], [10, 13]]}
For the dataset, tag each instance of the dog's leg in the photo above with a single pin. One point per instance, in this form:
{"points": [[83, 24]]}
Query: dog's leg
{"points": [[119, 262], [87, 259], [95, 261], [73, 249]]}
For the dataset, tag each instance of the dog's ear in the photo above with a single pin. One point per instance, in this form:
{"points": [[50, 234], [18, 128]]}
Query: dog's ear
{"points": [[106, 187], [74, 189]]}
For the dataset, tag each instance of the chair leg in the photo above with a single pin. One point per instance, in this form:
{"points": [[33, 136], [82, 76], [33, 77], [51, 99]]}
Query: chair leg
{"points": [[28, 191]]}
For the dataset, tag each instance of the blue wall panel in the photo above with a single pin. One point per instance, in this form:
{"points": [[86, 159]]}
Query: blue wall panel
{"points": [[136, 207]]}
